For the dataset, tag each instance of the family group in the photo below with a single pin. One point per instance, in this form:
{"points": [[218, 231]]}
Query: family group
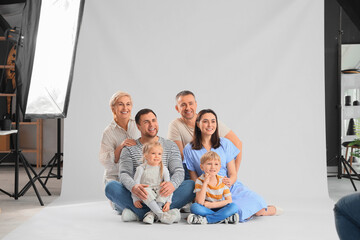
{"points": [[149, 178]]}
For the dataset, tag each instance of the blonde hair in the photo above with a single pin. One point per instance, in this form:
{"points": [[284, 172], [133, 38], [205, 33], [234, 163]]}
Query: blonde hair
{"points": [[209, 156], [116, 96], [146, 149]]}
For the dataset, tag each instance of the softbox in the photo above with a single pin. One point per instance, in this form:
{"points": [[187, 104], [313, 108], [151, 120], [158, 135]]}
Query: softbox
{"points": [[46, 55]]}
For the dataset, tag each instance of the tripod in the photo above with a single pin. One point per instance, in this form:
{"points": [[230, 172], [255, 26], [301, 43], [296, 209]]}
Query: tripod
{"points": [[19, 157], [56, 160], [346, 164]]}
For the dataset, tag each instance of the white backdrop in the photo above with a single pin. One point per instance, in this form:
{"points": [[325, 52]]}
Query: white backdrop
{"points": [[259, 64]]}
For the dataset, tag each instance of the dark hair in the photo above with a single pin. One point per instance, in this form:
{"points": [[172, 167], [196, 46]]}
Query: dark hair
{"points": [[196, 143], [184, 93], [142, 112]]}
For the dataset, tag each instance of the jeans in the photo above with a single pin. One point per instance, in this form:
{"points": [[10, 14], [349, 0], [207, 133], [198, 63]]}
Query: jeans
{"points": [[216, 214], [347, 217], [113, 205], [120, 196], [187, 173]]}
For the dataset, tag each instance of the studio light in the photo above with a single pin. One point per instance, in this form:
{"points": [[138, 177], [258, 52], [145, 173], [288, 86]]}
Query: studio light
{"points": [[46, 56]]}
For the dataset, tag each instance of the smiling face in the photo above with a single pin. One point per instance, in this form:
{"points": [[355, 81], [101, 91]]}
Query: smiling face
{"points": [[148, 125], [154, 156], [186, 106], [122, 108], [211, 166], [207, 124]]}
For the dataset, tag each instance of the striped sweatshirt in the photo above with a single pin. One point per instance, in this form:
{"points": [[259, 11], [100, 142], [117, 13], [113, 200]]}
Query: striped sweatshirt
{"points": [[213, 193], [131, 158]]}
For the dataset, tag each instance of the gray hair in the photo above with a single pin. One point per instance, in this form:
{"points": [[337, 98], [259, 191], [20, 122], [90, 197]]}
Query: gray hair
{"points": [[184, 93], [116, 96]]}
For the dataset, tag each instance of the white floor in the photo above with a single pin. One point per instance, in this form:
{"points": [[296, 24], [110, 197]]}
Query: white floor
{"points": [[301, 220], [16, 212], [97, 221]]}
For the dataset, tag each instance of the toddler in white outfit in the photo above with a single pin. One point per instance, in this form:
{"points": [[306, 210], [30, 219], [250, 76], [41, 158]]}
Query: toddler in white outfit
{"points": [[152, 172]]}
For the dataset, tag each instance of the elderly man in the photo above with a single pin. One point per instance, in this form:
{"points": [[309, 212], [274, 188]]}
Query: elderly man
{"points": [[181, 129], [131, 158]]}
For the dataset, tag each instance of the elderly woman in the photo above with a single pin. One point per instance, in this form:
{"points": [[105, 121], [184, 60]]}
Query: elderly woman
{"points": [[121, 132], [206, 138]]}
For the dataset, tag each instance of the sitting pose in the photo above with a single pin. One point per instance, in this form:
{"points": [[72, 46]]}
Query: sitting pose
{"points": [[181, 130], [213, 201], [131, 157], [206, 138], [119, 133], [152, 173]]}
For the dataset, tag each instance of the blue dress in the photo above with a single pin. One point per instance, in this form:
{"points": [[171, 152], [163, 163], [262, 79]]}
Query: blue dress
{"points": [[247, 201]]}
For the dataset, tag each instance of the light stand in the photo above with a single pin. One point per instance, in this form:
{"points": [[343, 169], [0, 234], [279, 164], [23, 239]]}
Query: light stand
{"points": [[44, 73], [13, 35], [56, 160], [19, 157]]}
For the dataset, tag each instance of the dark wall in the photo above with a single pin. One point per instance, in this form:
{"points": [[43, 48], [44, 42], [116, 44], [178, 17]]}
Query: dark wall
{"points": [[350, 34]]}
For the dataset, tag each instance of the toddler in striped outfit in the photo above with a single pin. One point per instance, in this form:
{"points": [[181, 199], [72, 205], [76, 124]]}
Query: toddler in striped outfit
{"points": [[213, 202]]}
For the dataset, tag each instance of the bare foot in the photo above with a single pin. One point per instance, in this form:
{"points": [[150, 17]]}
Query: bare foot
{"points": [[270, 211]]}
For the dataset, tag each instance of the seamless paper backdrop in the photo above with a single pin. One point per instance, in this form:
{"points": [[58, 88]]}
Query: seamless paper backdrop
{"points": [[258, 64]]}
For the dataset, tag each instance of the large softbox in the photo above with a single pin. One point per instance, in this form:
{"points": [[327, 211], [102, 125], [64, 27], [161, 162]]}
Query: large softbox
{"points": [[46, 56]]}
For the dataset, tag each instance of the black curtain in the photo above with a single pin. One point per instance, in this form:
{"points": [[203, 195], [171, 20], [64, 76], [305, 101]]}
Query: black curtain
{"points": [[352, 9], [26, 50]]}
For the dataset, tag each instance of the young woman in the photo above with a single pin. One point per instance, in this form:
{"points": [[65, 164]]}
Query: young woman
{"points": [[206, 138]]}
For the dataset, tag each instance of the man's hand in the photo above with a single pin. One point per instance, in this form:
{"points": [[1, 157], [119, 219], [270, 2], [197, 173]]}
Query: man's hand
{"points": [[167, 188], [138, 204], [140, 191]]}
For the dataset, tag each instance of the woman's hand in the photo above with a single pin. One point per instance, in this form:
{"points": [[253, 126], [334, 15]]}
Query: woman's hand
{"points": [[126, 143], [227, 181], [231, 172], [138, 204], [166, 207]]}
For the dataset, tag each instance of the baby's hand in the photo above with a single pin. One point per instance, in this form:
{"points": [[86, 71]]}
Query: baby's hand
{"points": [[206, 178], [138, 204], [166, 207]]}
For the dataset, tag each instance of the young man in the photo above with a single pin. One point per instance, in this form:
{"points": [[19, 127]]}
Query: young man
{"points": [[181, 129], [131, 158]]}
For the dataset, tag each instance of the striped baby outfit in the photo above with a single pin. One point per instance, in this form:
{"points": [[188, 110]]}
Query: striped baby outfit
{"points": [[213, 193]]}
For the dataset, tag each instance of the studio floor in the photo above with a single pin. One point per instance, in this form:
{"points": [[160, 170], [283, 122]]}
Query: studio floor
{"points": [[100, 220]]}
